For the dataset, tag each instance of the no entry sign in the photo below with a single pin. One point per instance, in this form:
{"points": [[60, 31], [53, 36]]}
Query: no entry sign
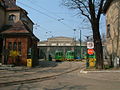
{"points": [[90, 51]]}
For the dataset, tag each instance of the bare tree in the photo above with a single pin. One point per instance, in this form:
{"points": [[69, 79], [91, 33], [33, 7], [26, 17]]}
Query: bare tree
{"points": [[92, 10]]}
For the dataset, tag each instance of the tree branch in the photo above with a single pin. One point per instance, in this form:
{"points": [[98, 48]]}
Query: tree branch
{"points": [[92, 10], [82, 12], [78, 2], [85, 6]]}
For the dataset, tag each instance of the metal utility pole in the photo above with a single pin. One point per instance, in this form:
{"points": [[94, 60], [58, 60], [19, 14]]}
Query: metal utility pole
{"points": [[74, 42], [80, 44], [87, 59]]}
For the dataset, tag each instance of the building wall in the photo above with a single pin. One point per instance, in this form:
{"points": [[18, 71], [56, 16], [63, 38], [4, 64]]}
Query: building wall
{"points": [[63, 44], [19, 16], [2, 16], [26, 20], [32, 45], [113, 28], [16, 13], [29, 24], [60, 41], [12, 15], [2, 22], [24, 45], [35, 52]]}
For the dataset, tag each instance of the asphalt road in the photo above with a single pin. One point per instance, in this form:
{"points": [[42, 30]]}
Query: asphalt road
{"points": [[71, 81]]}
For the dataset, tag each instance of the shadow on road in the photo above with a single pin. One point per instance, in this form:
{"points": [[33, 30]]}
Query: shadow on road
{"points": [[44, 64], [80, 87]]}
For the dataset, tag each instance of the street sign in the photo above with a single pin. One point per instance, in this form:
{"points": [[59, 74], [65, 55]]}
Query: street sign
{"points": [[90, 45], [90, 51]]}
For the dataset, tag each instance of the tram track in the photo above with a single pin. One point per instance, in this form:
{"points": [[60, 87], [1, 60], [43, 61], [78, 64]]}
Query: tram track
{"points": [[30, 72], [25, 73], [38, 79]]}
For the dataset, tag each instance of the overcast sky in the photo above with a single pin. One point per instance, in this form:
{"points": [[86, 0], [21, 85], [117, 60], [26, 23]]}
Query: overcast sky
{"points": [[53, 19]]}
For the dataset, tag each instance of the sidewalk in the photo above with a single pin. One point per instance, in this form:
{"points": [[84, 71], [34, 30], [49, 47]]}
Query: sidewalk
{"points": [[109, 75]]}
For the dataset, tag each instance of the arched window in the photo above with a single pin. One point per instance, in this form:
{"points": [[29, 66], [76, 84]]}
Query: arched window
{"points": [[11, 17]]}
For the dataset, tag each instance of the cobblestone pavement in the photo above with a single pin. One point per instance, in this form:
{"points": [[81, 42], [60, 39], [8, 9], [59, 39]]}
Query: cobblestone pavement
{"points": [[73, 81]]}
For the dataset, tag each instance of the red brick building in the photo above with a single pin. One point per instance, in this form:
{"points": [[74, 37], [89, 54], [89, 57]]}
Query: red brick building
{"points": [[17, 36]]}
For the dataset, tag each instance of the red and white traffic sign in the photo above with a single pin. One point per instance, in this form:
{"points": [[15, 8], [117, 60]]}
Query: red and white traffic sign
{"points": [[90, 45], [90, 51]]}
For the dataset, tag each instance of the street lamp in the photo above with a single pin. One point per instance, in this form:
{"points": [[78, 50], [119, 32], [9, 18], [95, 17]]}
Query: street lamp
{"points": [[74, 34], [79, 41]]}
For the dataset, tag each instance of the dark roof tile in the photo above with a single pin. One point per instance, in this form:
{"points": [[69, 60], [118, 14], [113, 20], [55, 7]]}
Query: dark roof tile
{"points": [[15, 28]]}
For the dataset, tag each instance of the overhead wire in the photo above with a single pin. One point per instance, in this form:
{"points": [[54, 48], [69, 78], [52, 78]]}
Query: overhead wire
{"points": [[59, 18], [51, 17], [36, 25], [46, 15]]}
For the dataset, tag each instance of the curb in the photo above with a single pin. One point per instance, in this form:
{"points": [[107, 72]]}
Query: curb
{"points": [[103, 71]]}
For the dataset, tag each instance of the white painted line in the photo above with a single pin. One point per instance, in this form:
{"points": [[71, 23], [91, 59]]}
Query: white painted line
{"points": [[103, 71], [82, 71]]}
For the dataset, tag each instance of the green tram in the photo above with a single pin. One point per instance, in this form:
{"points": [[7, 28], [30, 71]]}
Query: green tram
{"points": [[70, 55], [59, 56], [90, 56]]}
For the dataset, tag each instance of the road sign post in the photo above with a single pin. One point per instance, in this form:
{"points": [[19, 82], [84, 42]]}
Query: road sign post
{"points": [[90, 51]]}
